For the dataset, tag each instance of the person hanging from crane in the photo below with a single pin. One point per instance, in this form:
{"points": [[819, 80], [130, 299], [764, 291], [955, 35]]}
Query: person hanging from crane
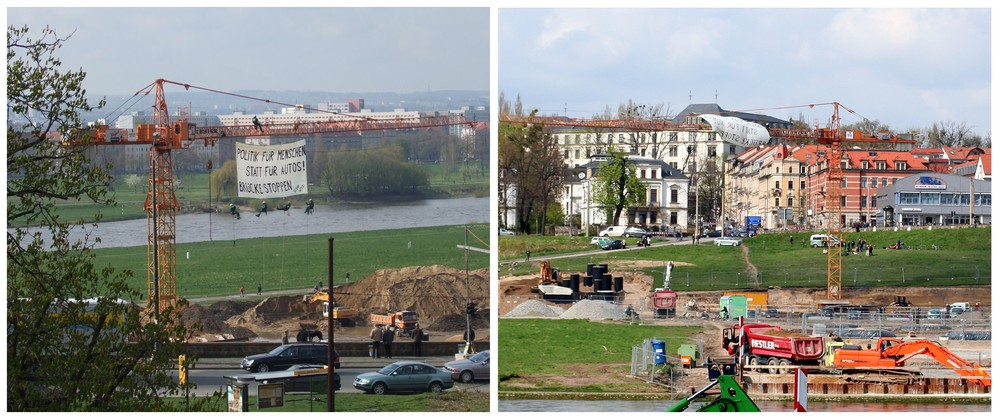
{"points": [[234, 211], [263, 208], [309, 206], [286, 207], [257, 125]]}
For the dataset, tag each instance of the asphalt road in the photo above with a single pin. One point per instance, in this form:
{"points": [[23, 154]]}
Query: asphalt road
{"points": [[210, 375]]}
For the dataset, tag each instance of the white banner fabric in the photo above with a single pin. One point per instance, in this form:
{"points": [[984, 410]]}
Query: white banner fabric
{"points": [[737, 131], [271, 171]]}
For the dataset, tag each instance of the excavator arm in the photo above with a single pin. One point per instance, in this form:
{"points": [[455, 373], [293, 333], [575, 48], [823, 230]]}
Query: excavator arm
{"points": [[905, 351], [731, 398]]}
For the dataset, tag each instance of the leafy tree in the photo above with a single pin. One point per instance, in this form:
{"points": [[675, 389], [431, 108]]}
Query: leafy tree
{"points": [[531, 167], [224, 180], [373, 172], [617, 186], [64, 354]]}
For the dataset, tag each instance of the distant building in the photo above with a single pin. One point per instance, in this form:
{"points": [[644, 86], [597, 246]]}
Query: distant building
{"points": [[935, 199]]}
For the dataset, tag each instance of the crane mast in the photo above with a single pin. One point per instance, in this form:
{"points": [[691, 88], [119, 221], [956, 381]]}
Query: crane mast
{"points": [[831, 137]]}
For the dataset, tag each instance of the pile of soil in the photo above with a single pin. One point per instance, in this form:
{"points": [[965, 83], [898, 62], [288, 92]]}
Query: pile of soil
{"points": [[438, 294]]}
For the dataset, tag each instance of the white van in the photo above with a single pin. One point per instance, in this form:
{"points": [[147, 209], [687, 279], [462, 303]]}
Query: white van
{"points": [[612, 231], [958, 308], [823, 240]]}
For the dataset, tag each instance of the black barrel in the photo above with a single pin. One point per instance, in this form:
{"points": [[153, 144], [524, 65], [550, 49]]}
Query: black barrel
{"points": [[590, 269], [588, 281], [574, 283], [619, 284]]}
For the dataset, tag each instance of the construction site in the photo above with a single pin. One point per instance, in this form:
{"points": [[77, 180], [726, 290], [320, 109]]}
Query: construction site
{"points": [[887, 354], [436, 294]]}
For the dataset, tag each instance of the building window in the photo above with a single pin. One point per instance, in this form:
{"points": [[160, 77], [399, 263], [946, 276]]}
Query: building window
{"points": [[777, 184], [711, 151], [885, 181], [790, 203], [673, 136], [692, 136], [711, 136], [843, 201], [912, 198], [652, 196], [880, 165], [732, 150], [802, 184], [863, 181], [652, 217], [791, 184], [864, 165], [672, 151], [777, 201], [864, 201], [566, 154], [673, 217], [673, 198], [642, 174], [576, 153], [577, 139], [642, 152], [901, 165]]}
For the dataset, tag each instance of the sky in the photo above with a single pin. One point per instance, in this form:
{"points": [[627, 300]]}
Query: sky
{"points": [[907, 68], [388, 49]]}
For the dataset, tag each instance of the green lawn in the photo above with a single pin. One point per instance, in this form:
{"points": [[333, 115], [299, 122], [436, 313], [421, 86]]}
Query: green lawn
{"points": [[533, 347], [962, 258], [218, 268]]}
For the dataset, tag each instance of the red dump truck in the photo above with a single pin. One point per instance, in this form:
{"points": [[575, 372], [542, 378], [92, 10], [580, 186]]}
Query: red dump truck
{"points": [[665, 302], [765, 344]]}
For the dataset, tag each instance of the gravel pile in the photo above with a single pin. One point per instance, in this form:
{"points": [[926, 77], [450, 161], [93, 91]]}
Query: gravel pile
{"points": [[534, 308], [594, 310]]}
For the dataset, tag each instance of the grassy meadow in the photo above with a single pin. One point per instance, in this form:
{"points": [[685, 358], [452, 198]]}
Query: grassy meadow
{"points": [[220, 268], [962, 257]]}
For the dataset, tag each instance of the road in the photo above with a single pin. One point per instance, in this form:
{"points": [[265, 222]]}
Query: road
{"points": [[212, 377]]}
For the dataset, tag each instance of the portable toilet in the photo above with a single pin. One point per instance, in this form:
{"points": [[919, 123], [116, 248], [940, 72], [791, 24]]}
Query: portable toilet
{"points": [[659, 352], [688, 354]]}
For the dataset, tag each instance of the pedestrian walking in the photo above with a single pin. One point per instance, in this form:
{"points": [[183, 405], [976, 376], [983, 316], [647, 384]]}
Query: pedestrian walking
{"points": [[241, 292], [387, 337], [259, 289], [418, 339], [284, 339], [791, 240]]}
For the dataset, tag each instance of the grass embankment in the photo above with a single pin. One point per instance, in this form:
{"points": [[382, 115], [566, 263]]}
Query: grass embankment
{"points": [[962, 258], [448, 401], [534, 349], [220, 268]]}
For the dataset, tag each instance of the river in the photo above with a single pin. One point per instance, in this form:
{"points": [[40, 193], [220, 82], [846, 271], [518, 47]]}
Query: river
{"points": [[336, 219], [765, 406]]}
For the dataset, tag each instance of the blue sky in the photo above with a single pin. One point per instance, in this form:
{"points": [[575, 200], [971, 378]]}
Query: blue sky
{"points": [[907, 68], [388, 49]]}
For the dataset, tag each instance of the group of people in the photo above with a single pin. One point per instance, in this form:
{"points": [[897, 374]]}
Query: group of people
{"points": [[235, 211], [383, 336], [861, 246]]}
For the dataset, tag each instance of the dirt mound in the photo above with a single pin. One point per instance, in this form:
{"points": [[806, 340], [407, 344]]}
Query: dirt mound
{"points": [[437, 293]]}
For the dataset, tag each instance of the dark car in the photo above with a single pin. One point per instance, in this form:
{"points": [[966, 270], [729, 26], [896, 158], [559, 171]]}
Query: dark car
{"points": [[613, 244], [476, 367], [285, 356], [772, 313], [714, 233], [306, 383], [404, 376]]}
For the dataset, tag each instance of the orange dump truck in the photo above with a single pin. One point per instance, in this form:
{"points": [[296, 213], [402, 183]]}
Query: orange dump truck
{"points": [[404, 321]]}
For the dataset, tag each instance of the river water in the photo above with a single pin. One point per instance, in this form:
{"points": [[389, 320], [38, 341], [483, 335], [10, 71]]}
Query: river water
{"points": [[765, 406], [324, 219]]}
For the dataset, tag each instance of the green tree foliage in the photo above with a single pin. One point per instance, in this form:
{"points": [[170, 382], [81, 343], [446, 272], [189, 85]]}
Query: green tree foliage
{"points": [[224, 180], [63, 354], [373, 172], [617, 186], [531, 169]]}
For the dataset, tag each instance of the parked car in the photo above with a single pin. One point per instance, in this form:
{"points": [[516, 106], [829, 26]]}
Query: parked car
{"points": [[634, 232], [613, 244], [823, 240], [506, 232], [727, 241], [936, 313], [597, 239], [612, 231], [772, 313], [404, 376], [714, 233], [476, 367], [285, 356], [307, 383]]}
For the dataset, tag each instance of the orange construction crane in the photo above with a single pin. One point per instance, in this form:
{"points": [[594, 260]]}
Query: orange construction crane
{"points": [[164, 136], [833, 138]]}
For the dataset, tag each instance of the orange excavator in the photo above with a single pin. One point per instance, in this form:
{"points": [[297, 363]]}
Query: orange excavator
{"points": [[892, 352]]}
